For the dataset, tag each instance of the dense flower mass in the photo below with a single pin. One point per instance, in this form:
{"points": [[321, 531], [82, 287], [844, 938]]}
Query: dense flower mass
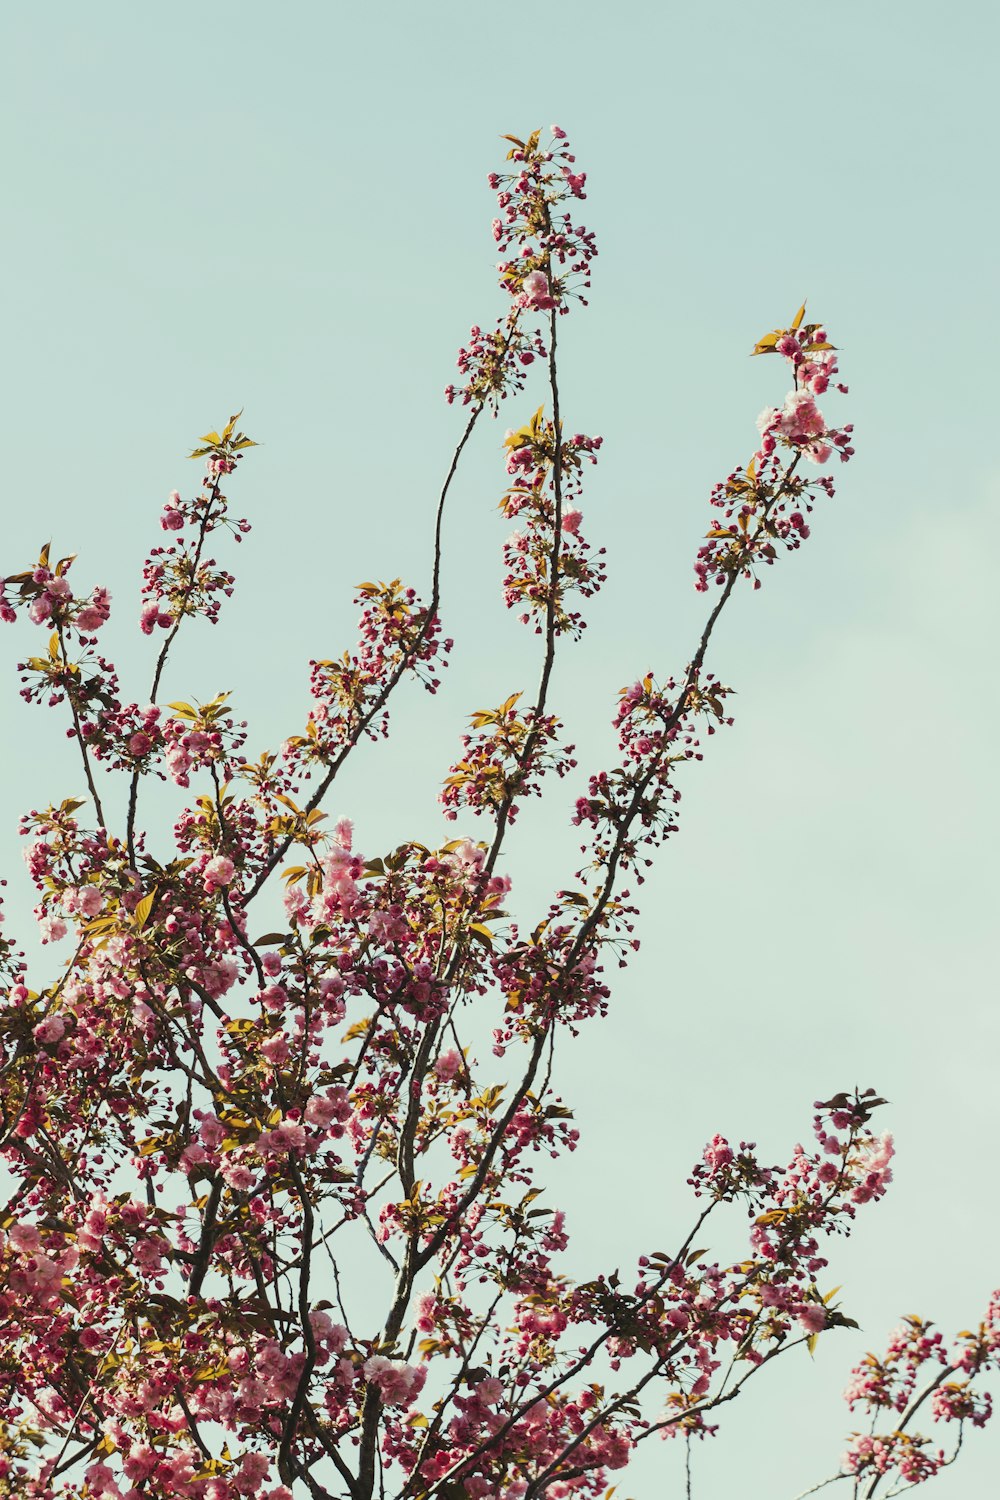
{"points": [[274, 1225]]}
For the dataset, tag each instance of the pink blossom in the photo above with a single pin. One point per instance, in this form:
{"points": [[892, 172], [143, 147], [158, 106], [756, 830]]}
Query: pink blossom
{"points": [[818, 453], [212, 1131], [25, 1239], [323, 1109], [140, 1461], [218, 872], [288, 1136], [520, 458], [252, 1472], [52, 929], [426, 1308], [535, 291], [237, 1175], [276, 1049], [89, 901], [448, 1065], [50, 1031], [91, 1233], [801, 420], [467, 857], [178, 763], [101, 1481], [718, 1154], [274, 998], [812, 1316], [325, 1331], [398, 1383]]}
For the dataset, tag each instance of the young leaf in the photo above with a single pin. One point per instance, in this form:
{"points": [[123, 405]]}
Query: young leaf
{"points": [[141, 914]]}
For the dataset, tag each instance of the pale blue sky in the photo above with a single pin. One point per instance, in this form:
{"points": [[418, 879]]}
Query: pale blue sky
{"points": [[284, 208]]}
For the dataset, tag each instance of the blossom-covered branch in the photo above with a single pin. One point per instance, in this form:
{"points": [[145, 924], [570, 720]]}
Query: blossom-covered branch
{"points": [[274, 1225]]}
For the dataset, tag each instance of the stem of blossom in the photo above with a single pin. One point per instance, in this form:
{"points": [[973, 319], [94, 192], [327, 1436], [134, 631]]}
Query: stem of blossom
{"points": [[280, 850], [133, 791], [555, 1467], [213, 496], [309, 1338], [71, 696], [317, 1490], [552, 604], [907, 1417], [582, 1362], [86, 1397], [203, 1254], [591, 922], [372, 1405], [486, 1160], [815, 1488], [723, 1397], [439, 1416], [192, 1424], [237, 931], [459, 948], [587, 1355]]}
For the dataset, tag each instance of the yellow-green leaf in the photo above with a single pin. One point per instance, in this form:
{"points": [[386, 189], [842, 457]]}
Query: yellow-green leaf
{"points": [[142, 911], [767, 343]]}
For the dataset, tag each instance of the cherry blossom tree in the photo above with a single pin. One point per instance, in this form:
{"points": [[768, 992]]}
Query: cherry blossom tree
{"points": [[272, 1223]]}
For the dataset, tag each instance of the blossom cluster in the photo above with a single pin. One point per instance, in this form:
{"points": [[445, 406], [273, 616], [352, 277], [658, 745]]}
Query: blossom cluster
{"points": [[633, 807], [180, 580], [548, 558], [917, 1365], [503, 760], [766, 504], [47, 597], [396, 634], [546, 261]]}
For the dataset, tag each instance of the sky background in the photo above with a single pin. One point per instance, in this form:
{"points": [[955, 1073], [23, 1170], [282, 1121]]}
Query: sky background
{"points": [[285, 209]]}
